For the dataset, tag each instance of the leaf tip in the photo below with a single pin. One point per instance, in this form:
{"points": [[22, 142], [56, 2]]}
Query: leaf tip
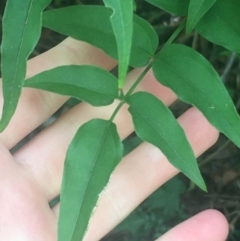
{"points": [[202, 185], [189, 28], [204, 188], [3, 123]]}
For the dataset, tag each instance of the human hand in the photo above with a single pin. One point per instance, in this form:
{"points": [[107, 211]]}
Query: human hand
{"points": [[32, 176]]}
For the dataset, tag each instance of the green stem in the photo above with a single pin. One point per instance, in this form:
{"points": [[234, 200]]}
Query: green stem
{"points": [[139, 79], [175, 34], [116, 110]]}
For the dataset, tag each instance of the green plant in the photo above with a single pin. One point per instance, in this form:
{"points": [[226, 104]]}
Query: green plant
{"points": [[124, 36]]}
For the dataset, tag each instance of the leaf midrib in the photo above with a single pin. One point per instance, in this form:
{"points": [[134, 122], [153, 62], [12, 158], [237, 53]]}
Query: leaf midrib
{"points": [[84, 88], [20, 49], [103, 33], [196, 13], [152, 126], [198, 90], [228, 24], [94, 165]]}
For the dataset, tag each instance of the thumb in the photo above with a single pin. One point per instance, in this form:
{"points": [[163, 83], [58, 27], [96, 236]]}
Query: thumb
{"points": [[209, 225]]}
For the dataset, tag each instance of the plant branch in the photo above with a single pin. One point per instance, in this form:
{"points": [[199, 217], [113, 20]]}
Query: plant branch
{"points": [[209, 158], [175, 34], [139, 79], [123, 101], [228, 67]]}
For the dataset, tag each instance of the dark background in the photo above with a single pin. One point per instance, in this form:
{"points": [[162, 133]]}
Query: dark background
{"points": [[220, 166]]}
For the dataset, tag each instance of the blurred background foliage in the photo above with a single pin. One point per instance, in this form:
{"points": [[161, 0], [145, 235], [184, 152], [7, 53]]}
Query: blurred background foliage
{"points": [[178, 199]]}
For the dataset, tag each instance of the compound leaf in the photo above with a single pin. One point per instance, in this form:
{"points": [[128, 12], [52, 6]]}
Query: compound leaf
{"points": [[122, 24], [92, 155], [87, 83], [155, 123], [196, 82], [197, 9], [21, 31], [92, 24], [177, 7], [220, 24]]}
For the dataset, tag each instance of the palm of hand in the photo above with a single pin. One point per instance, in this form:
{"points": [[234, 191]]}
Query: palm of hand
{"points": [[24, 209]]}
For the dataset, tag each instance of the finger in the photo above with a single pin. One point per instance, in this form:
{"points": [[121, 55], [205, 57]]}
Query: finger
{"points": [[24, 213], [44, 155], [141, 172], [35, 106], [209, 225]]}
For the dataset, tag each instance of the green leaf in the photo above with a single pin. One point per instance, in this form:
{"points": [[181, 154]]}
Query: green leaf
{"points": [[177, 7], [144, 43], [92, 24], [21, 31], [87, 83], [195, 81], [197, 9], [92, 156], [220, 24], [155, 123], [122, 24], [134, 5]]}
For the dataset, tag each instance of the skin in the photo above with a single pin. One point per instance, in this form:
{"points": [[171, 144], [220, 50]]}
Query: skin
{"points": [[30, 178]]}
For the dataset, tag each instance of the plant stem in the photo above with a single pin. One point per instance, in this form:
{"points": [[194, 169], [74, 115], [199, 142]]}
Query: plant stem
{"points": [[116, 110], [124, 100], [175, 34], [228, 67], [139, 79]]}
